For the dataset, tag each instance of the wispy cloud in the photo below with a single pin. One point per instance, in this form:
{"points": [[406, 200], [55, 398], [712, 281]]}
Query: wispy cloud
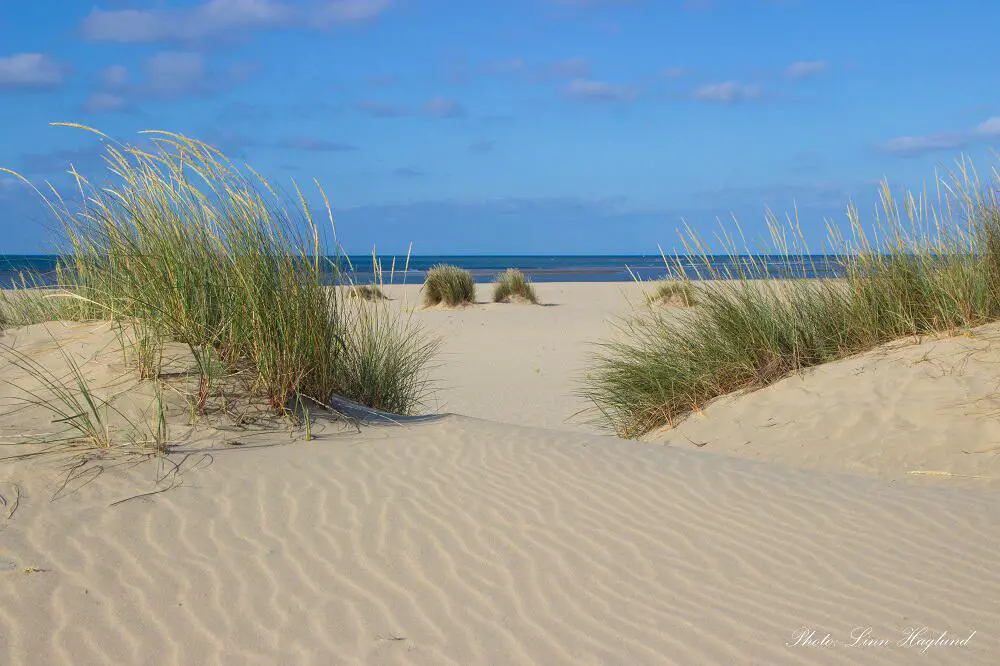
{"points": [[571, 67], [216, 18], [379, 109], [409, 172], [85, 158], [480, 147], [567, 68], [989, 127], [598, 91], [115, 76], [105, 102], [382, 79], [436, 107], [915, 145], [442, 107], [332, 12], [805, 68], [726, 92], [675, 72], [312, 144], [174, 74], [231, 143], [30, 71], [167, 75], [590, 3], [911, 146]]}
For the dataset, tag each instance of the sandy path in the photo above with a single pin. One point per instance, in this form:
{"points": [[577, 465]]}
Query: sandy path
{"points": [[520, 363]]}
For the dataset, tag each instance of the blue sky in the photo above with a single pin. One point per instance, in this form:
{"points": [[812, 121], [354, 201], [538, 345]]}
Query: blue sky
{"points": [[514, 126]]}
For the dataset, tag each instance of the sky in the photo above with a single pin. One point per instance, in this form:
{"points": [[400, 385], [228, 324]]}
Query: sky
{"points": [[514, 126]]}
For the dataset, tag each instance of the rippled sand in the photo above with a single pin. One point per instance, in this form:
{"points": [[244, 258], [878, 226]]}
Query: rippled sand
{"points": [[461, 540]]}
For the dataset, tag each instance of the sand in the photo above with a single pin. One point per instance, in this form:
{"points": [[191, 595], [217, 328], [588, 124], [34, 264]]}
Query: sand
{"points": [[499, 534]]}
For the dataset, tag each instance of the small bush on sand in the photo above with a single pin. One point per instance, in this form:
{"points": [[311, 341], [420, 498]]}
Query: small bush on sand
{"points": [[367, 292], [513, 285], [935, 270], [195, 250], [449, 285], [678, 293]]}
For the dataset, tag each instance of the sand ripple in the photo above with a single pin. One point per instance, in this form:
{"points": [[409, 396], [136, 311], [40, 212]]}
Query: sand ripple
{"points": [[461, 542]]}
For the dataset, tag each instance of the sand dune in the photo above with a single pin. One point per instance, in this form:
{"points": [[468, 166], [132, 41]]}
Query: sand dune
{"points": [[927, 407], [460, 540], [464, 542]]}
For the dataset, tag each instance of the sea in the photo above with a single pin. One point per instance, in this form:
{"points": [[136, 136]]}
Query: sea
{"points": [[40, 269]]}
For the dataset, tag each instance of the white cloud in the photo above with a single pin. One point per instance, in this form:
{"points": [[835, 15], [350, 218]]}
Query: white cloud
{"points": [[30, 70], [216, 18], [913, 145], [568, 68], [175, 73], [441, 107], [509, 66], [103, 102], [908, 146], [314, 144], [571, 67], [989, 127], [806, 68], [114, 76], [598, 91], [726, 92], [347, 11]]}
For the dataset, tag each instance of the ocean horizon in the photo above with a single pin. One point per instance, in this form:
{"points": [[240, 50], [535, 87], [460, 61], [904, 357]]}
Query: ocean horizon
{"points": [[397, 269]]}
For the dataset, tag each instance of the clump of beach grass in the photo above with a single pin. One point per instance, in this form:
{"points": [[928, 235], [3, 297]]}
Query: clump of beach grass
{"points": [[513, 285], [195, 250], [449, 285], [367, 292], [381, 364], [680, 293], [923, 270]]}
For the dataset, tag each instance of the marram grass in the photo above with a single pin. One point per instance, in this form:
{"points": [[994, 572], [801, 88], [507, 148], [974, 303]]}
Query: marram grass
{"points": [[191, 248], [512, 284], [367, 292], [449, 285], [673, 292], [923, 270]]}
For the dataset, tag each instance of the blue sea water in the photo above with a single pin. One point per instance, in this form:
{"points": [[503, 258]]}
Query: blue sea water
{"points": [[540, 268]]}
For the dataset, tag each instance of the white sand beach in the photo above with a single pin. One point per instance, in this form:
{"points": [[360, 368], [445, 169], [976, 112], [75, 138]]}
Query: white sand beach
{"points": [[502, 531]]}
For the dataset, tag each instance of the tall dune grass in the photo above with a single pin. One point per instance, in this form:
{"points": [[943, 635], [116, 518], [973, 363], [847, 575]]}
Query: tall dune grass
{"points": [[199, 251], [449, 285], [513, 284], [672, 292], [919, 269]]}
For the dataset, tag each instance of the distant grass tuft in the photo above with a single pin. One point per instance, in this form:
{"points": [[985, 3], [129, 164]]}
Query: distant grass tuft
{"points": [[367, 292], [673, 292], [512, 284], [449, 285], [931, 270]]}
